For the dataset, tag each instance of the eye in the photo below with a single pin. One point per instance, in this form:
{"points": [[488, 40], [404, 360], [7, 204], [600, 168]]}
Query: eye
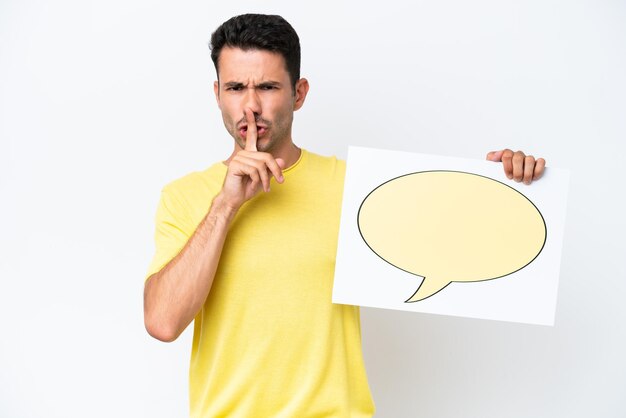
{"points": [[234, 88], [267, 87]]}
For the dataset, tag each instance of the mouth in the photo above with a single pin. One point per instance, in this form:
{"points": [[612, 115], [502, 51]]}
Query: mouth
{"points": [[260, 129]]}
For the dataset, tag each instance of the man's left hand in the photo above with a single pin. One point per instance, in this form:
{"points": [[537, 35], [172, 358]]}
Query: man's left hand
{"points": [[519, 166]]}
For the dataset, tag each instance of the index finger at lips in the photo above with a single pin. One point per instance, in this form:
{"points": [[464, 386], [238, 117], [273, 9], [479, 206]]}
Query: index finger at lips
{"points": [[251, 133]]}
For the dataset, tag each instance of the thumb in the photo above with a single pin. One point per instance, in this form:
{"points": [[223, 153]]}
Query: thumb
{"points": [[495, 156], [281, 163]]}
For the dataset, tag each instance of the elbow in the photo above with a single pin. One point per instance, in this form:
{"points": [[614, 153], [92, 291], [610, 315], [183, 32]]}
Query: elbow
{"points": [[160, 330], [158, 321]]}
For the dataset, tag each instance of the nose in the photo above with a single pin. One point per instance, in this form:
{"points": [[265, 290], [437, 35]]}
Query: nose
{"points": [[252, 101]]}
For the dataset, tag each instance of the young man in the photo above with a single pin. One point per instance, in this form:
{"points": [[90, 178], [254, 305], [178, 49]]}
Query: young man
{"points": [[247, 249]]}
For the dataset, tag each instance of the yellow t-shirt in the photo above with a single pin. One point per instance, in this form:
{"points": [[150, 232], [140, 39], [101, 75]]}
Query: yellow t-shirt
{"points": [[268, 342]]}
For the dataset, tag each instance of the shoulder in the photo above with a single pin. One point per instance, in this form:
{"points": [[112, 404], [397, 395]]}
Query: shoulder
{"points": [[329, 166], [197, 181], [193, 192]]}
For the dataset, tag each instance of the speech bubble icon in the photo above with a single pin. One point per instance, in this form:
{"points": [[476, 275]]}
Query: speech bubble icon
{"points": [[451, 226]]}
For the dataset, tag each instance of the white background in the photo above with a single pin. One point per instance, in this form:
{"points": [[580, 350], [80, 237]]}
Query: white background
{"points": [[102, 103]]}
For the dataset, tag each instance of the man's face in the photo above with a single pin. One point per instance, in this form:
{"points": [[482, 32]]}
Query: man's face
{"points": [[258, 80]]}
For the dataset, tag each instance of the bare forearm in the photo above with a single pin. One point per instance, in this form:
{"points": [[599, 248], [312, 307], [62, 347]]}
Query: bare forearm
{"points": [[173, 296]]}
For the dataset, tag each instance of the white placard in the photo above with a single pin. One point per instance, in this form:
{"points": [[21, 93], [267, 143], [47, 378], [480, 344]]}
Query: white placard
{"points": [[372, 269]]}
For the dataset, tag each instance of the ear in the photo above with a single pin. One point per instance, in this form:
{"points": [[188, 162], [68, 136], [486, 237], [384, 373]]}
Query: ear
{"points": [[216, 90], [302, 88]]}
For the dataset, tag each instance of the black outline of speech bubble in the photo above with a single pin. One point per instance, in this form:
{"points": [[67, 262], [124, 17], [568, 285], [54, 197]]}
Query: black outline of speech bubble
{"points": [[452, 281]]}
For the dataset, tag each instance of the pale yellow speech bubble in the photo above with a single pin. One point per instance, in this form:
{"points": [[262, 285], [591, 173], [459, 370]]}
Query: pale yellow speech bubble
{"points": [[451, 226]]}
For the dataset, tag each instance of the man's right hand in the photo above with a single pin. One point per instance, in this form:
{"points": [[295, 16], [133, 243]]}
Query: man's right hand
{"points": [[249, 170], [174, 295]]}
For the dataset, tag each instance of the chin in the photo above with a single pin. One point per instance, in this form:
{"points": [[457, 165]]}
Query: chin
{"points": [[269, 147], [265, 144]]}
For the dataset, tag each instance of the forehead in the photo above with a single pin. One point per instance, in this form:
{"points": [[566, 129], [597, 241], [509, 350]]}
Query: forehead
{"points": [[239, 64]]}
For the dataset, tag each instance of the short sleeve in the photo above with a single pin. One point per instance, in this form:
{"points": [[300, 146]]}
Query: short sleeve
{"points": [[172, 231]]}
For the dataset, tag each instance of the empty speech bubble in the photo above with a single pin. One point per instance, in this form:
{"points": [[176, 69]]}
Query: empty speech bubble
{"points": [[451, 226]]}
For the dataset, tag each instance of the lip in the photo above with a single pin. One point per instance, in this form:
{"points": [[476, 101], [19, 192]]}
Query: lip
{"points": [[261, 130], [245, 126]]}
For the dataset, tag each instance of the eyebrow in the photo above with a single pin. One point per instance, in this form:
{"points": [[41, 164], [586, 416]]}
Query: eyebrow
{"points": [[269, 84], [233, 84], [238, 84]]}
